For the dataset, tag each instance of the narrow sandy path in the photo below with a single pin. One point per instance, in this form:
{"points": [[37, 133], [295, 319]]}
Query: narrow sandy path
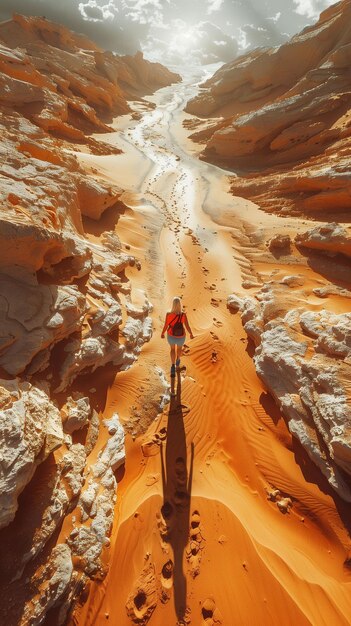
{"points": [[196, 540]]}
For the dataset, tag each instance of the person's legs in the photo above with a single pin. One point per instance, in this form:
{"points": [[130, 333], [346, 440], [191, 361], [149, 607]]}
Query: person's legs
{"points": [[173, 354], [173, 367], [179, 354]]}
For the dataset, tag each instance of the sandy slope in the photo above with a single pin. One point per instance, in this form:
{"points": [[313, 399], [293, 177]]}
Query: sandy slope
{"points": [[200, 536]]}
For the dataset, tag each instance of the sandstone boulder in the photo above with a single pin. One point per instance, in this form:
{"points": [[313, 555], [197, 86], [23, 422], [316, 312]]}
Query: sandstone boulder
{"points": [[329, 238], [94, 199], [280, 242], [114, 452]]}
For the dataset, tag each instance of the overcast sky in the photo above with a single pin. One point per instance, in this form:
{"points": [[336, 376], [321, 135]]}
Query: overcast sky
{"points": [[177, 30]]}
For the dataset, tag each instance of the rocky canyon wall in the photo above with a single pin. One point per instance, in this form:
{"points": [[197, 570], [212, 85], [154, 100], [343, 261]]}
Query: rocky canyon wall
{"points": [[281, 119], [66, 311]]}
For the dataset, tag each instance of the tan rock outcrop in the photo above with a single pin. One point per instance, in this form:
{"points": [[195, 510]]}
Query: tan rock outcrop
{"points": [[280, 243], [68, 78], [94, 199], [66, 487], [329, 238], [284, 119], [43, 253]]}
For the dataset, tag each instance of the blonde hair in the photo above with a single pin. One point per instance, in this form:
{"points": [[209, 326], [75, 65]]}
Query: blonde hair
{"points": [[176, 305]]}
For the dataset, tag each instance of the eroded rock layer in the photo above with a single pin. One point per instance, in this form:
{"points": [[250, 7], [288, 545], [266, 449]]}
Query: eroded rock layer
{"points": [[282, 120], [66, 309], [64, 82]]}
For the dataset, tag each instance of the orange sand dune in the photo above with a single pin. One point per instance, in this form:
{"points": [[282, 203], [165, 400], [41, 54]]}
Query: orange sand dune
{"points": [[221, 517]]}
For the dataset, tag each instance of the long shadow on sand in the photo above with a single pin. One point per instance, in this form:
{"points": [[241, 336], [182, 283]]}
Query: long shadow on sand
{"points": [[177, 482]]}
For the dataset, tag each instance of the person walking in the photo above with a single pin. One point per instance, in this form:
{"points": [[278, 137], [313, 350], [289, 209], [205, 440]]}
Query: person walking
{"points": [[176, 322]]}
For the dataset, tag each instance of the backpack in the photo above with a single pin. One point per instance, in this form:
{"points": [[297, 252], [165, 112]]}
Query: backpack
{"points": [[178, 328]]}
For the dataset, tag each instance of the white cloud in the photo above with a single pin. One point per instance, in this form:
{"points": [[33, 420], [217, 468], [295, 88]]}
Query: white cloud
{"points": [[144, 11], [243, 40], [275, 17], [214, 5], [253, 36], [311, 8], [92, 11]]}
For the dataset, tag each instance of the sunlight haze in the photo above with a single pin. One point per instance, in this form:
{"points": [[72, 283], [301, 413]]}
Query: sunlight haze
{"points": [[177, 31]]}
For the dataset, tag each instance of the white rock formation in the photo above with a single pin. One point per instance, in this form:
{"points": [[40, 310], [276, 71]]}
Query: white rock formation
{"points": [[30, 428], [97, 501], [136, 332], [330, 290], [34, 318], [66, 487], [293, 281], [89, 354], [75, 412], [113, 454], [50, 582], [304, 359]]}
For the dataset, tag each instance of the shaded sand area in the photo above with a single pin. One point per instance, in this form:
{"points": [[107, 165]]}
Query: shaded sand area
{"points": [[221, 517]]}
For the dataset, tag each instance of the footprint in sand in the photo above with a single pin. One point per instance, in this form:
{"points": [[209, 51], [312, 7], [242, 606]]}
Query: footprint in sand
{"points": [[142, 601], [151, 446], [164, 524], [181, 495], [217, 322], [186, 619], [167, 574], [193, 553], [210, 614], [167, 511], [152, 479], [162, 433], [166, 581]]}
